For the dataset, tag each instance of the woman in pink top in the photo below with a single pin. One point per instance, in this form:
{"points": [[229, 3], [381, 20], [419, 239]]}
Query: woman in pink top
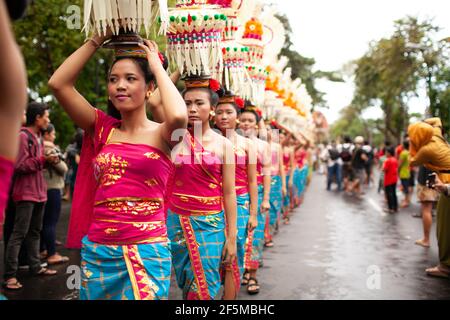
{"points": [[226, 115], [248, 123], [202, 209], [277, 187], [118, 211], [289, 166]]}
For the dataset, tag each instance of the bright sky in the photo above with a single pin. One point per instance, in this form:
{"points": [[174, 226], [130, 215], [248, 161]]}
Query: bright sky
{"points": [[335, 32]]}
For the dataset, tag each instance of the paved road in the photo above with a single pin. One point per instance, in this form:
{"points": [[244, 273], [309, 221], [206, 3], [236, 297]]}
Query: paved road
{"points": [[336, 247]]}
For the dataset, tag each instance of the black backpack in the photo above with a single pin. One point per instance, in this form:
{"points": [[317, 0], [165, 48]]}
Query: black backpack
{"points": [[334, 154], [346, 155]]}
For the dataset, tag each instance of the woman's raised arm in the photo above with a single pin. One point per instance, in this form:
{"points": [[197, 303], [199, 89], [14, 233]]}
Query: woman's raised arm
{"points": [[175, 111], [62, 84]]}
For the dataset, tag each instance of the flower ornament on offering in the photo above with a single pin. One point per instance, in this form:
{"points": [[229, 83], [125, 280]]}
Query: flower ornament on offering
{"points": [[274, 74], [272, 105], [233, 74], [252, 38], [129, 15], [125, 19], [239, 102], [194, 37], [202, 82], [229, 97], [214, 85]]}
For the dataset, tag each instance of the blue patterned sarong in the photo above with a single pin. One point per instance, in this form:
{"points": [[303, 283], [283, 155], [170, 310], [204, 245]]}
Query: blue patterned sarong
{"points": [[243, 215], [297, 183], [197, 243], [287, 197], [276, 201], [127, 272], [303, 178], [258, 237]]}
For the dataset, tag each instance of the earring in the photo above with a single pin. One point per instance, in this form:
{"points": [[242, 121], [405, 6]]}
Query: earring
{"points": [[237, 121], [256, 127], [212, 113]]}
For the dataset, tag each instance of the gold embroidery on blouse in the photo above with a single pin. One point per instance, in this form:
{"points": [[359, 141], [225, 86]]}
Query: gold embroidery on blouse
{"points": [[152, 155], [110, 135], [135, 199], [184, 199], [100, 134], [112, 231], [146, 226], [151, 182], [212, 186], [202, 200], [142, 207], [112, 168]]}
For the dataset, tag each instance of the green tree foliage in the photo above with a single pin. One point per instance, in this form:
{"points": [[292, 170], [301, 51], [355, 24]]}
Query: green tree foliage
{"points": [[441, 107], [390, 73], [46, 41], [303, 67]]}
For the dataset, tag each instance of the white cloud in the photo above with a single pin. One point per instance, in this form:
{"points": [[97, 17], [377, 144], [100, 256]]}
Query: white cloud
{"points": [[335, 32]]}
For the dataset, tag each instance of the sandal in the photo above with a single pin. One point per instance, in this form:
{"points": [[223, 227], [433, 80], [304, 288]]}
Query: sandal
{"points": [[253, 283], [438, 272], [245, 278], [46, 272], [12, 284], [269, 244], [58, 259]]}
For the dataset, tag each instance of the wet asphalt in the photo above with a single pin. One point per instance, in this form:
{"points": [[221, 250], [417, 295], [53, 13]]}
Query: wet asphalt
{"points": [[336, 247]]}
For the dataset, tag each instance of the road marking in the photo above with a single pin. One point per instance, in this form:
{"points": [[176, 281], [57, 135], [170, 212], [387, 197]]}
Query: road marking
{"points": [[376, 206]]}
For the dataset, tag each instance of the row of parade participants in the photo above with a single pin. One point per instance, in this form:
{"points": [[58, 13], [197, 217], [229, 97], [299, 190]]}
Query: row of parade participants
{"points": [[151, 195]]}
